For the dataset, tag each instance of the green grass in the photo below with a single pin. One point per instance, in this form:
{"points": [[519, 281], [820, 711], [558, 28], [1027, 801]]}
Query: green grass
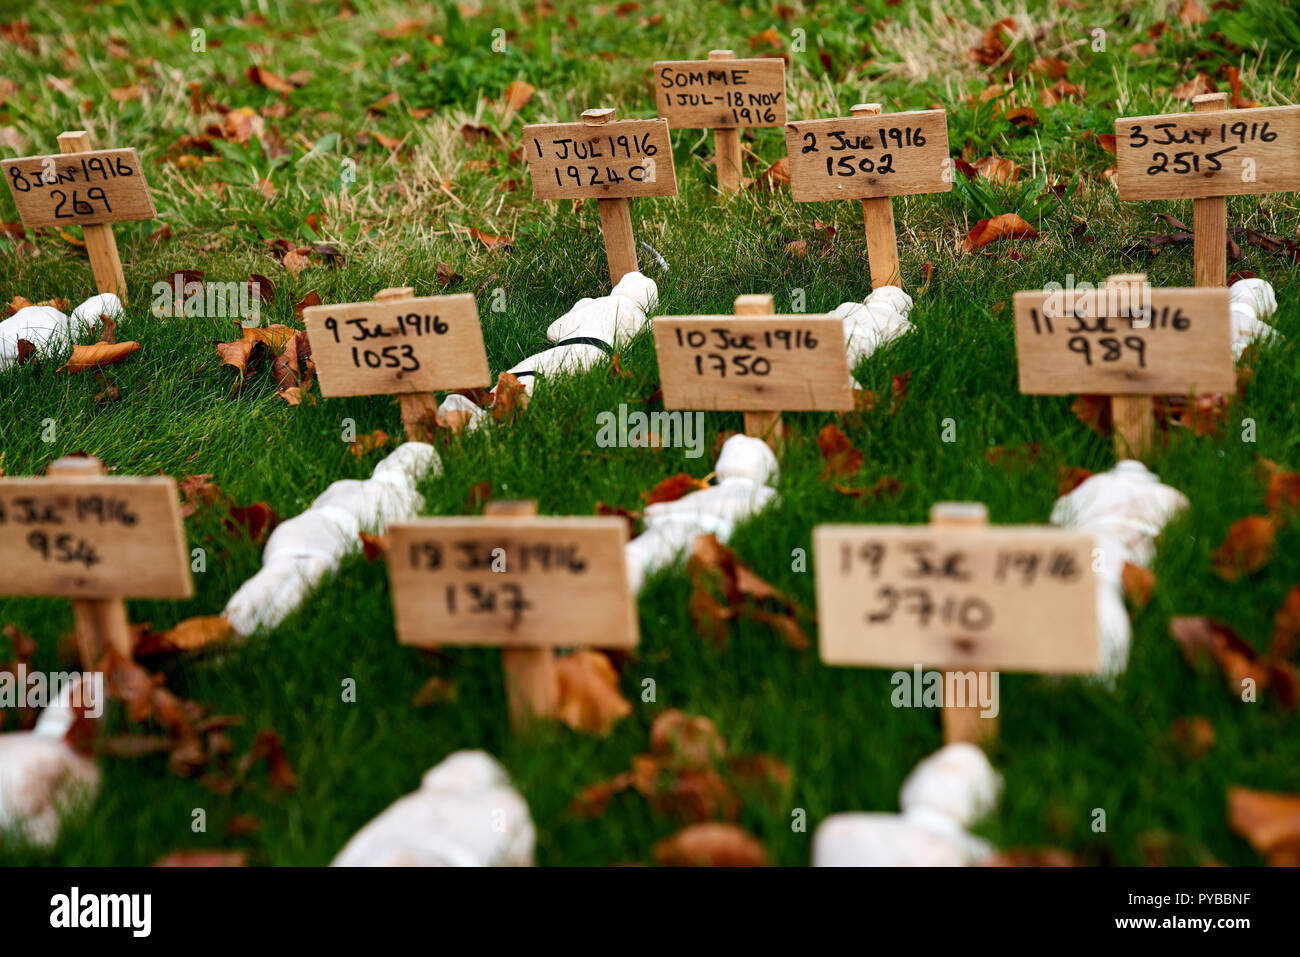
{"points": [[1066, 746]]}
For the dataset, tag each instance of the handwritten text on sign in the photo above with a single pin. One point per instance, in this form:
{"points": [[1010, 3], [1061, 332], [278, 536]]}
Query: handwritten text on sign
{"points": [[721, 94], [861, 157], [406, 345], [622, 159], [101, 186], [1215, 153], [1110, 342], [895, 596], [760, 364], [512, 582], [93, 538]]}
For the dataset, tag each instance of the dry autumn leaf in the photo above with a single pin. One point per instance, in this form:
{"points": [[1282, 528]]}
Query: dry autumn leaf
{"points": [[710, 845], [98, 354], [673, 488], [839, 457], [192, 634], [518, 93], [509, 398], [1005, 227], [1270, 821], [1246, 548], [1138, 583], [589, 698]]}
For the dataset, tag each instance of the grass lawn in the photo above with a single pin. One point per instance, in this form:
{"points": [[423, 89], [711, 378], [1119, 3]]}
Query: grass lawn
{"points": [[424, 77]]}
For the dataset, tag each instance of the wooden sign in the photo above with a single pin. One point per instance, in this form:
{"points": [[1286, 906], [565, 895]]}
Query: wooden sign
{"points": [[755, 362], [87, 188], [399, 345], [957, 595], [81, 535], [606, 160], [725, 95], [1208, 154], [871, 156], [1125, 339], [510, 579]]}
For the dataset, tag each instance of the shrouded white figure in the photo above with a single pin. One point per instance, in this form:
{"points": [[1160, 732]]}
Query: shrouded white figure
{"points": [[943, 796], [42, 779], [50, 331], [1252, 302], [311, 545], [878, 321], [745, 470], [465, 814], [1124, 510], [583, 336]]}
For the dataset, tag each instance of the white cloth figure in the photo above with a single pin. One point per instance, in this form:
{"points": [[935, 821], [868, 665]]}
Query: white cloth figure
{"points": [[1252, 301], [311, 545], [583, 336], [465, 814], [878, 321], [42, 779], [49, 330], [745, 470], [943, 796], [1124, 509]]}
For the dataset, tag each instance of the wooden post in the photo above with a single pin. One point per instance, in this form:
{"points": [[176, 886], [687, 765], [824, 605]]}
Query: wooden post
{"points": [[963, 723], [532, 682], [101, 246], [1210, 217], [615, 218], [415, 406], [878, 220], [1133, 417], [727, 157], [761, 425], [101, 622]]}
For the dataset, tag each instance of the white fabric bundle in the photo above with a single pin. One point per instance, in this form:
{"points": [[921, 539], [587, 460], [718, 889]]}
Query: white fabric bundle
{"points": [[49, 330], [745, 470], [465, 814], [1124, 510], [611, 320], [42, 779], [878, 321], [1251, 301], [306, 548], [943, 796]]}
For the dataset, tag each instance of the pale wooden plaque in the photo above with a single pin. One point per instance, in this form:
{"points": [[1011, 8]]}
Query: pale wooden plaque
{"points": [[99, 186], [789, 363], [620, 159], [863, 157], [564, 582], [95, 537], [721, 94], [1015, 598], [398, 346]]}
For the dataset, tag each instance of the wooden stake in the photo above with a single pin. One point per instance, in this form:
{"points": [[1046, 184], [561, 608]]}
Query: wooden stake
{"points": [[615, 218], [101, 246], [532, 682], [101, 622], [1210, 217], [415, 406], [963, 723], [1132, 417], [878, 220], [761, 425], [726, 145]]}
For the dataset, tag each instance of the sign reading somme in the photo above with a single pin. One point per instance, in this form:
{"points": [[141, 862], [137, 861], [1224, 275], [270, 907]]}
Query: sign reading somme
{"points": [[619, 160], [721, 94], [1176, 342], [1212, 153], [397, 346], [94, 537], [100, 186], [759, 364], [1013, 598], [518, 582], [863, 157]]}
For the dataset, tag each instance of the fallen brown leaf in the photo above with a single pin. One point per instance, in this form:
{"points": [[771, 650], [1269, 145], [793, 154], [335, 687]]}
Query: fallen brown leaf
{"points": [[1246, 548], [589, 697], [98, 354], [710, 845]]}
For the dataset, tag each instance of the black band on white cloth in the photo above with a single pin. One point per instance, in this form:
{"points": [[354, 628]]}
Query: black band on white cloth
{"points": [[520, 375], [600, 344]]}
